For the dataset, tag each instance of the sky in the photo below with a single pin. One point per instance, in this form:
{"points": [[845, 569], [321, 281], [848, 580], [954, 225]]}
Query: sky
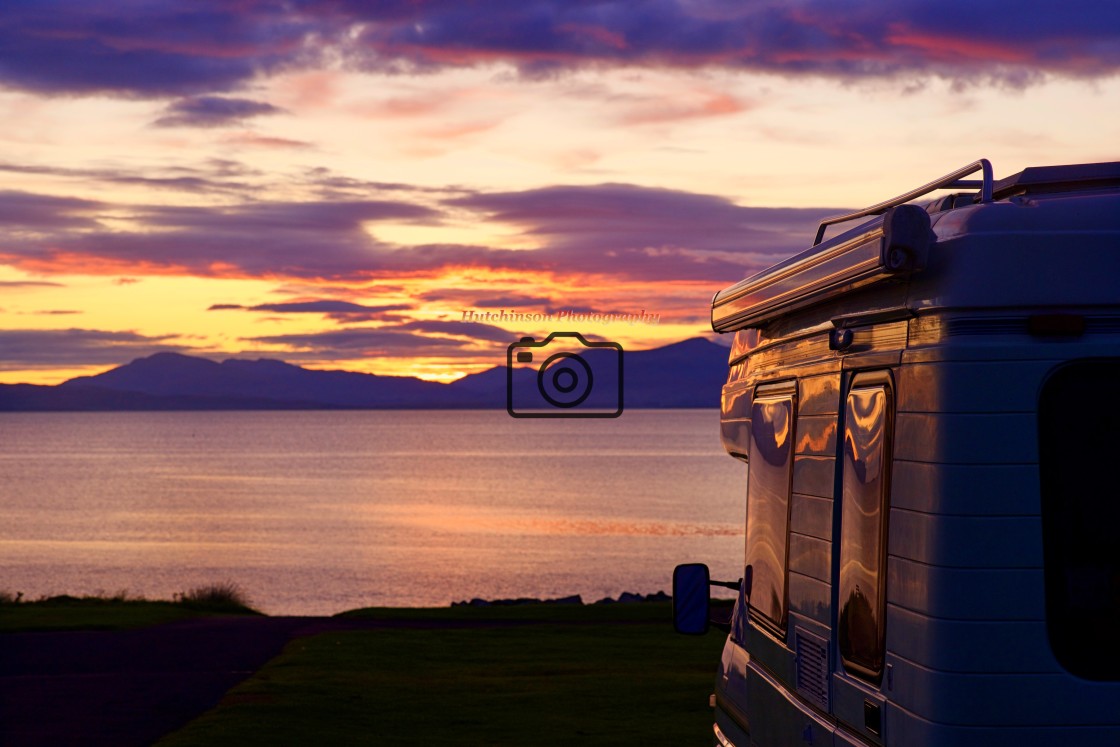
{"points": [[353, 185]]}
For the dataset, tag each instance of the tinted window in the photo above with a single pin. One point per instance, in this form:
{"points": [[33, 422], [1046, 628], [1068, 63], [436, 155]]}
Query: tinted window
{"points": [[1079, 443], [768, 488], [867, 422]]}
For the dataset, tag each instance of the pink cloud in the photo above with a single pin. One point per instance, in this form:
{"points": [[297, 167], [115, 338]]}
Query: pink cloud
{"points": [[698, 106]]}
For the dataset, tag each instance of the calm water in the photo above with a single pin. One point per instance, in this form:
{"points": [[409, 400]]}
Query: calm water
{"points": [[318, 512]]}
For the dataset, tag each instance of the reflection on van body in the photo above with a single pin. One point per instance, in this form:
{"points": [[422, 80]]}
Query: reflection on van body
{"points": [[929, 404]]}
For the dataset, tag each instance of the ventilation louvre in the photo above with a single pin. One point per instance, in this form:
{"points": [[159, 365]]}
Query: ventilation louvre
{"points": [[812, 667]]}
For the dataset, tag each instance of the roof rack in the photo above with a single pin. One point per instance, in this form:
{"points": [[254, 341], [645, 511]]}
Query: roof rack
{"points": [[1039, 179], [895, 245], [949, 181]]}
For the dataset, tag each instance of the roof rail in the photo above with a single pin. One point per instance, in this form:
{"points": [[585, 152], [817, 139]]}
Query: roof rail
{"points": [[949, 181]]}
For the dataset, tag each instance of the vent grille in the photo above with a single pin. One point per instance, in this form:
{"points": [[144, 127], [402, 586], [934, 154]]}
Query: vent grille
{"points": [[812, 667]]}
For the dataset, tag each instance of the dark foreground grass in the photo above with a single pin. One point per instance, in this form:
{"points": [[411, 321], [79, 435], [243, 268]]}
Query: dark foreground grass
{"points": [[111, 613], [535, 675]]}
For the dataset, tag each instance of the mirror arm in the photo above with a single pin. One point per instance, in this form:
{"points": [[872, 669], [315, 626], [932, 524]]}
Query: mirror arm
{"points": [[734, 586]]}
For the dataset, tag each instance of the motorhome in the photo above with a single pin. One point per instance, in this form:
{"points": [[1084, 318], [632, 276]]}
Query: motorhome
{"points": [[929, 407]]}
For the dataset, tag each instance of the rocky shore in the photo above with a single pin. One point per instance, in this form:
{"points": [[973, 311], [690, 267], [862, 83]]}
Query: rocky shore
{"points": [[625, 597]]}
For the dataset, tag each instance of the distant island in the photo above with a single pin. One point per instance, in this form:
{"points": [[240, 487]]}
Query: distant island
{"points": [[686, 374]]}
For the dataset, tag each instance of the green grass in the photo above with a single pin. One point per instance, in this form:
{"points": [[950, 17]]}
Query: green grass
{"points": [[540, 675], [110, 612], [659, 613], [224, 596]]}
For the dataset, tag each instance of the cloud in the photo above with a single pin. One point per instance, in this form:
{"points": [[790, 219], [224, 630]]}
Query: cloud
{"points": [[253, 239], [58, 348], [699, 105], [959, 40], [327, 307], [371, 342], [471, 330], [148, 49], [29, 211], [161, 50], [343, 311], [313, 307], [619, 231], [214, 176], [334, 184], [28, 284], [213, 111], [412, 339], [642, 233], [261, 141]]}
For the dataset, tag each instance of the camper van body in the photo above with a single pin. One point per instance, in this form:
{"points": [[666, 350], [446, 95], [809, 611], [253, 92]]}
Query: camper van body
{"points": [[928, 404]]}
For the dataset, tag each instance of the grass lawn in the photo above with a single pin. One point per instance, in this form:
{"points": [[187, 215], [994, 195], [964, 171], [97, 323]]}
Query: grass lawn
{"points": [[540, 675], [106, 613]]}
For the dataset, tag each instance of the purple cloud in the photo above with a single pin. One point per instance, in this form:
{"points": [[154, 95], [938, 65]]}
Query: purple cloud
{"points": [[649, 234], [622, 231], [214, 176], [369, 342], [150, 49], [158, 49], [29, 211], [255, 239], [59, 348], [28, 284], [470, 330], [958, 40], [341, 311], [314, 307], [213, 111]]}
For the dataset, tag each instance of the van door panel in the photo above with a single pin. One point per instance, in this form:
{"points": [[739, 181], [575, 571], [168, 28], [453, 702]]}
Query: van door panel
{"points": [[861, 559]]}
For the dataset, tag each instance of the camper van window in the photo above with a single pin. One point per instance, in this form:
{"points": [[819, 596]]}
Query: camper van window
{"points": [[768, 489], [867, 423], [1079, 433]]}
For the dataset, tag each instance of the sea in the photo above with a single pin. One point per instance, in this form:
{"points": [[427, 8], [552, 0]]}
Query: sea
{"points": [[318, 512]]}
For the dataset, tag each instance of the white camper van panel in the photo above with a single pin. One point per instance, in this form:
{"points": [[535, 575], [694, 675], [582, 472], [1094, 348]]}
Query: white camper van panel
{"points": [[929, 405]]}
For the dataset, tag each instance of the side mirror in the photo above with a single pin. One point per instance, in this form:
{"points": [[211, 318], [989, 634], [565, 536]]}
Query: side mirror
{"points": [[691, 598]]}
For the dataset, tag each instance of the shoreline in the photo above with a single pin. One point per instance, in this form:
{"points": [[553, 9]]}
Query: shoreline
{"points": [[66, 612]]}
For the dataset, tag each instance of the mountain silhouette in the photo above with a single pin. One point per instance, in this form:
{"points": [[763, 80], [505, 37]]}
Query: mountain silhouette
{"points": [[172, 374], [684, 374]]}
